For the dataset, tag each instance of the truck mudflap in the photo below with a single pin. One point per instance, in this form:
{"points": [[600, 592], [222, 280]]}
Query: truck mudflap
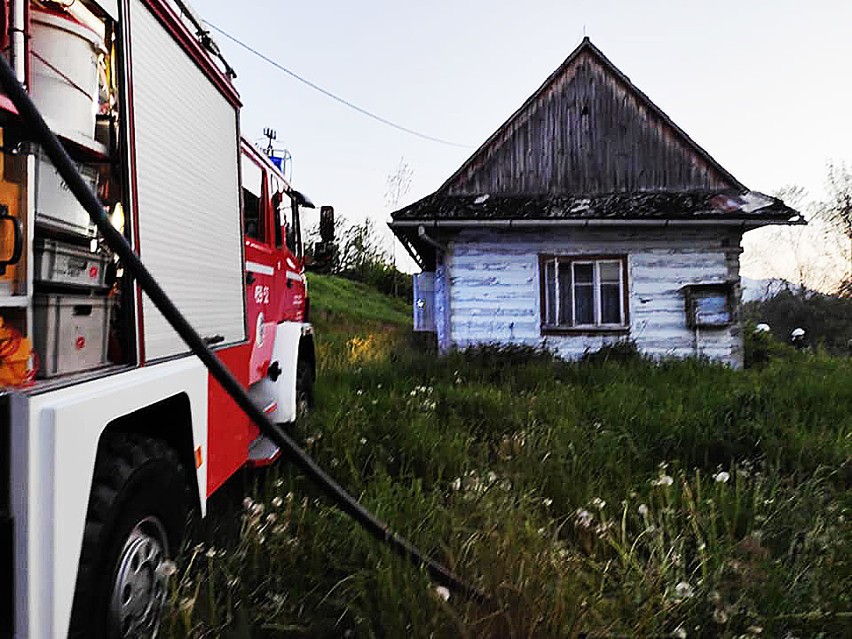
{"points": [[7, 538]]}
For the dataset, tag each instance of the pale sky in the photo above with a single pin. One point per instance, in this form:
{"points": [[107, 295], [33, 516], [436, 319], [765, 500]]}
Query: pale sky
{"points": [[763, 86]]}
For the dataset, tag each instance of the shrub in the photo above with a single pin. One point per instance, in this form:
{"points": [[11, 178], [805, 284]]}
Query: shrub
{"points": [[827, 320], [624, 351]]}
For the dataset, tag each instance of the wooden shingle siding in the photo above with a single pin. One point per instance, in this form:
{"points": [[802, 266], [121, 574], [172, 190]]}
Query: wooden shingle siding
{"points": [[588, 131], [495, 291]]}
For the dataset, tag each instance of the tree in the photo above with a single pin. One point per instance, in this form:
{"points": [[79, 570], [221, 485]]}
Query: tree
{"points": [[805, 256], [837, 209], [398, 184]]}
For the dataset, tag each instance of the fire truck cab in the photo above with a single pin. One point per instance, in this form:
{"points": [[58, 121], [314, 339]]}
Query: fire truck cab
{"points": [[111, 432]]}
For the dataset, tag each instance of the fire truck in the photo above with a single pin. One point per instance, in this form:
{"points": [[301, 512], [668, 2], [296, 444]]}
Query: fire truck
{"points": [[111, 431]]}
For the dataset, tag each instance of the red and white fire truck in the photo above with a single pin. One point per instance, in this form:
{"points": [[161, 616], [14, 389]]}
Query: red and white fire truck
{"points": [[110, 430]]}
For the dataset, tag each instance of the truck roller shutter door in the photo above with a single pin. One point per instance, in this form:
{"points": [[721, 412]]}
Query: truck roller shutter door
{"points": [[187, 159]]}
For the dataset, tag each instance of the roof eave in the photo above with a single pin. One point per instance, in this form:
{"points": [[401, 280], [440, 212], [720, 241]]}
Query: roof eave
{"points": [[751, 222]]}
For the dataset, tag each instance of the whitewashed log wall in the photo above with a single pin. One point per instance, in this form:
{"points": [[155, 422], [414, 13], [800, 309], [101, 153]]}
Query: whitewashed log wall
{"points": [[488, 288]]}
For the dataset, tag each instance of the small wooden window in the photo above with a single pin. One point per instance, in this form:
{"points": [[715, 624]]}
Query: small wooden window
{"points": [[708, 305], [584, 293]]}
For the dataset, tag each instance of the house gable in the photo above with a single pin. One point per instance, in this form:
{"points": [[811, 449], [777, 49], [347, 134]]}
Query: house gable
{"points": [[586, 131]]}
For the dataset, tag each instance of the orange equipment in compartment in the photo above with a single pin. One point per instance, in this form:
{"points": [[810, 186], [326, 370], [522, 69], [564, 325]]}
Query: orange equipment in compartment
{"points": [[10, 197], [15, 353]]}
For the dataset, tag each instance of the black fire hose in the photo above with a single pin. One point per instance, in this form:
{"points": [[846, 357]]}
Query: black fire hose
{"points": [[117, 242]]}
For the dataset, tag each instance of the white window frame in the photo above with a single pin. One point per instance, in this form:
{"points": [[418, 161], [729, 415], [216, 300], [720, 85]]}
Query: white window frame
{"points": [[553, 294]]}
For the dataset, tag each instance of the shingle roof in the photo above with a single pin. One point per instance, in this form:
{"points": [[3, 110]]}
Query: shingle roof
{"points": [[694, 205]]}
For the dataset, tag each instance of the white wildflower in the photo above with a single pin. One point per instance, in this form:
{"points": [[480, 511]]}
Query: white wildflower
{"points": [[277, 501], [457, 483], [679, 632], [755, 629], [598, 503], [683, 590], [547, 502], [662, 480], [270, 518], [167, 568], [583, 518], [492, 477], [443, 592], [359, 392], [721, 477], [211, 553], [643, 510], [363, 440]]}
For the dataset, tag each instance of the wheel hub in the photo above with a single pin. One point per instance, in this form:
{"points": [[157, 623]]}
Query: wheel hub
{"points": [[140, 586]]}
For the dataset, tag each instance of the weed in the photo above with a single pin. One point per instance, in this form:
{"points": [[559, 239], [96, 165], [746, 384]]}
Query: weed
{"points": [[601, 498]]}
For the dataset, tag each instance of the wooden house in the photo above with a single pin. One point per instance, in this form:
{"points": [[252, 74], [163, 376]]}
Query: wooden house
{"points": [[588, 217]]}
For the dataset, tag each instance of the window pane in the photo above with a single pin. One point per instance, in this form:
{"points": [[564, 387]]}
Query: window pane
{"points": [[610, 272], [584, 273], [564, 295], [584, 303], [549, 293], [251, 215], [610, 304], [712, 310]]}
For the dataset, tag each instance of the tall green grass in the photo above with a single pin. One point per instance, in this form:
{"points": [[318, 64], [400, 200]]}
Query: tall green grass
{"points": [[591, 499]]}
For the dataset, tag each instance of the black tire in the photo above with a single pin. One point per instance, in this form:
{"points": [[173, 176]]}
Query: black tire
{"points": [[304, 388], [136, 519]]}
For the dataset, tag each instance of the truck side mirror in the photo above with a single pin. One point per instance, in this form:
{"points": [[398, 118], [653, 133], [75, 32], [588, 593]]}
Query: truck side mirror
{"points": [[326, 223]]}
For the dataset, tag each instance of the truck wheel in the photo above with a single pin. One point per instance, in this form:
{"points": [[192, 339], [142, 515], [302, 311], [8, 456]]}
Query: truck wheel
{"points": [[135, 522], [304, 388]]}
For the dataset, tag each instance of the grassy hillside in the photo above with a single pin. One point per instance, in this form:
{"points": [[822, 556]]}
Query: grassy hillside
{"points": [[631, 499], [339, 304]]}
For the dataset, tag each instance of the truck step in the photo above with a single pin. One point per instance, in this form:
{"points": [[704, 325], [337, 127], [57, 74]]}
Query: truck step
{"points": [[263, 452]]}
